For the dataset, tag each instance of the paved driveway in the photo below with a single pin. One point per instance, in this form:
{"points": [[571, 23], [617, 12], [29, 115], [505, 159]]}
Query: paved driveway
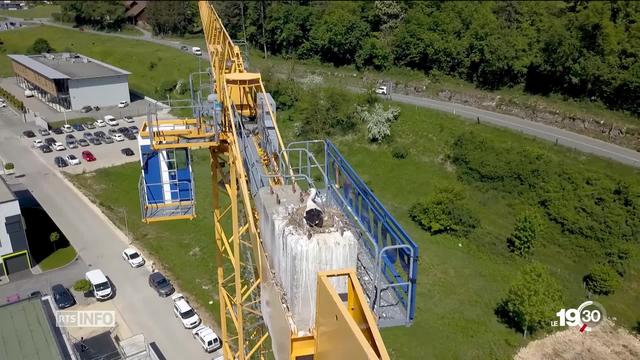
{"points": [[100, 244]]}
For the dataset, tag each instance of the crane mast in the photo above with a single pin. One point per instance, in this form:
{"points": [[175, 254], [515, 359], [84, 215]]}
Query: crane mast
{"points": [[248, 165]]}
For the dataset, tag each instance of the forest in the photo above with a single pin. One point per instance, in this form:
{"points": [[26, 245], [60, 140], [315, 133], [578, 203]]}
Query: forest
{"points": [[579, 49]]}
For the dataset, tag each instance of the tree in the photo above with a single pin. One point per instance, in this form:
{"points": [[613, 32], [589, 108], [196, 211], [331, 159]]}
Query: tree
{"points": [[533, 298], [378, 120], [602, 280], [373, 54], [444, 212], [102, 15], [172, 17], [522, 240], [40, 46], [54, 237]]}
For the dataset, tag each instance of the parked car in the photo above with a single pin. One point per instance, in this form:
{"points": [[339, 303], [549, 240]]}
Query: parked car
{"points": [[110, 120], [70, 137], [89, 126], [161, 284], [130, 136], [43, 132], [128, 119], [87, 135], [60, 162], [123, 104], [107, 139], [62, 297], [95, 141], [133, 257], [382, 90], [72, 159], [100, 284], [57, 131], [50, 141], [59, 147], [134, 129], [112, 131], [127, 152], [96, 108], [78, 127], [100, 123], [208, 339], [196, 51], [184, 48], [185, 312], [86, 109], [67, 128], [88, 156], [118, 137], [37, 143], [72, 143], [46, 148], [3, 104], [83, 142], [123, 130], [29, 134]]}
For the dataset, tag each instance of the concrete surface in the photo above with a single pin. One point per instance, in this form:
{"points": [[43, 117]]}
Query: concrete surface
{"points": [[100, 244]]}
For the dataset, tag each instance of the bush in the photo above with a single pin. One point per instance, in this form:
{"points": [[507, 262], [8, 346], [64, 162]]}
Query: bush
{"points": [[82, 285], [444, 212], [8, 166], [531, 301], [378, 120], [399, 152], [618, 258], [325, 111], [40, 46], [602, 280], [522, 239]]}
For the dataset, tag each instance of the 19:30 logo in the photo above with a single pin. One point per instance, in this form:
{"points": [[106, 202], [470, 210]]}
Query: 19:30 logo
{"points": [[587, 316]]}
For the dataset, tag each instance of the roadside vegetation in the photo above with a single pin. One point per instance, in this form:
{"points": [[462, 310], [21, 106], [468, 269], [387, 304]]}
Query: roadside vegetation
{"points": [[472, 284]]}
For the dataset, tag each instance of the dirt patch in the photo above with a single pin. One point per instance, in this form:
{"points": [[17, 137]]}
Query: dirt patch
{"points": [[606, 341]]}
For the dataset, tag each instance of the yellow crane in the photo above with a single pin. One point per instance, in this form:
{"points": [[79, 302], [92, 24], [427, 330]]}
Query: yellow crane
{"points": [[346, 322]]}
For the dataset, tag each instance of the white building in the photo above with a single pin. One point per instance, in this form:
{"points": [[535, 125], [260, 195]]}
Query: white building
{"points": [[71, 81]]}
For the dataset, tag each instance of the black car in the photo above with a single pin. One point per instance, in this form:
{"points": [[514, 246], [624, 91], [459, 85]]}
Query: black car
{"points": [[60, 162], [86, 109], [87, 135], [134, 129], [70, 137], [78, 127], [130, 136], [57, 131], [89, 125], [113, 131], [126, 152], [29, 134], [99, 134], [160, 284], [83, 142], [43, 132], [184, 48], [49, 141], [95, 141], [46, 149], [123, 130], [62, 297], [96, 108]]}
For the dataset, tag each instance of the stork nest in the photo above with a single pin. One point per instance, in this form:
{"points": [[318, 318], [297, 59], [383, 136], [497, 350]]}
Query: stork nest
{"points": [[333, 220]]}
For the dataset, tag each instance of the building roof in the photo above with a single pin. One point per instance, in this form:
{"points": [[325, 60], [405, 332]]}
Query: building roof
{"points": [[67, 66], [25, 332], [6, 194], [136, 9]]}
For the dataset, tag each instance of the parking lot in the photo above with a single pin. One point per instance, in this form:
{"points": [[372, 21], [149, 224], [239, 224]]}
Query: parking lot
{"points": [[105, 154]]}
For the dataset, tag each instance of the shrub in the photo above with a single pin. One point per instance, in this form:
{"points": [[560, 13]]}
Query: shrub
{"points": [[522, 239], [602, 280], [40, 46], [82, 285], [399, 152], [444, 212], [8, 166], [533, 298], [324, 112], [378, 120], [618, 258]]}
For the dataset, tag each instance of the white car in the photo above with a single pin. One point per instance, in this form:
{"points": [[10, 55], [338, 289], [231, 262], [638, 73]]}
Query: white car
{"points": [[100, 123], [196, 51], [110, 120], [118, 137], [133, 257], [123, 103], [184, 311], [208, 339], [59, 147], [37, 143], [72, 159], [2, 104], [67, 128], [128, 119], [382, 90]]}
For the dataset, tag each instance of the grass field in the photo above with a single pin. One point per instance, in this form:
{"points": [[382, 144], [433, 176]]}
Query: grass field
{"points": [[60, 257], [150, 64], [460, 280], [41, 11]]}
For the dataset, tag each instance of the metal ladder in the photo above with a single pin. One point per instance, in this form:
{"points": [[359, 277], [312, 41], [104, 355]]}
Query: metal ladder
{"points": [[172, 171]]}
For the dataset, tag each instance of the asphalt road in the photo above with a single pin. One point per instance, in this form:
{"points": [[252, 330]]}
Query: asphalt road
{"points": [[100, 245]]}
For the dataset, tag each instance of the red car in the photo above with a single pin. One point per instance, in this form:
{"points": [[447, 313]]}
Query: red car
{"points": [[88, 156]]}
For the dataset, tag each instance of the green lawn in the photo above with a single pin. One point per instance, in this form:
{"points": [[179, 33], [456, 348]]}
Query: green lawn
{"points": [[41, 11], [150, 64], [60, 257], [460, 280]]}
